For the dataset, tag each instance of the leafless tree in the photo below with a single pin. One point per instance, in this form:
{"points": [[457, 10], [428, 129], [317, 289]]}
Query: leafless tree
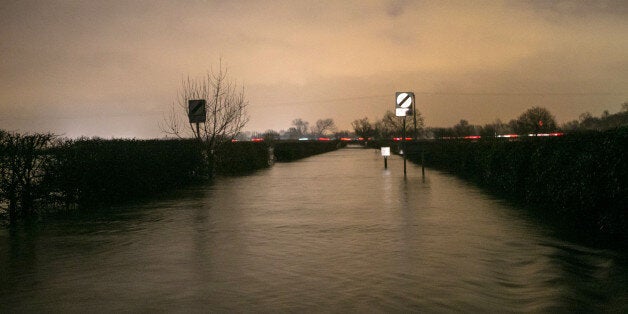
{"points": [[363, 128], [392, 126], [299, 128], [21, 160], [226, 108], [323, 125]]}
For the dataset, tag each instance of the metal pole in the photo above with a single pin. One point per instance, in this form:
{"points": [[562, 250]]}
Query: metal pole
{"points": [[403, 146], [385, 162], [198, 133], [415, 129], [423, 163]]}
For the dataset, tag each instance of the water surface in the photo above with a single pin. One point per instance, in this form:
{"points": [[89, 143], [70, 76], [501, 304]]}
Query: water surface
{"points": [[334, 232]]}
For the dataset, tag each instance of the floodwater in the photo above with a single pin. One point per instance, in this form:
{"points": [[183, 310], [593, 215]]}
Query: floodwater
{"points": [[330, 233]]}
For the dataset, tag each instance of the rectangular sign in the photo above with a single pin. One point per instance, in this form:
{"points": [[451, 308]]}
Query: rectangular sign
{"points": [[196, 111], [401, 112], [385, 151]]}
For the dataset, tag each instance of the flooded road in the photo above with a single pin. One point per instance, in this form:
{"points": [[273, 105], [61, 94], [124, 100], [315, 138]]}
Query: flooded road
{"points": [[334, 232]]}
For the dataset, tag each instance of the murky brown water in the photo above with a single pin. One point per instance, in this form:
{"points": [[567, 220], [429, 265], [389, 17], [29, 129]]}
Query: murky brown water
{"points": [[334, 232]]}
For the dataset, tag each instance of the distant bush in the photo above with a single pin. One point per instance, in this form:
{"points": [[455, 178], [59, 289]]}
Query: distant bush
{"points": [[579, 178]]}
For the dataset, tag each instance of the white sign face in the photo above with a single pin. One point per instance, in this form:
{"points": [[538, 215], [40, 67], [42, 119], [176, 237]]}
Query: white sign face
{"points": [[400, 112], [403, 103], [385, 151], [404, 100]]}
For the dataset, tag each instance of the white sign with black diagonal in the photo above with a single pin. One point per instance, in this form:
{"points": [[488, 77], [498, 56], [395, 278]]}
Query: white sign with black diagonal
{"points": [[403, 103], [196, 110]]}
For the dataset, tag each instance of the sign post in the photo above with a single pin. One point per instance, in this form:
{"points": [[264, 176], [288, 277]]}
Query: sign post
{"points": [[385, 153], [403, 142], [403, 107]]}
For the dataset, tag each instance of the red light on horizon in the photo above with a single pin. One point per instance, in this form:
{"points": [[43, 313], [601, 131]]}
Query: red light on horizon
{"points": [[345, 139], [323, 138], [257, 139], [472, 137]]}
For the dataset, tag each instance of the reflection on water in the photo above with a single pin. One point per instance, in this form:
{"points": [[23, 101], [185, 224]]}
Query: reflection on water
{"points": [[334, 232]]}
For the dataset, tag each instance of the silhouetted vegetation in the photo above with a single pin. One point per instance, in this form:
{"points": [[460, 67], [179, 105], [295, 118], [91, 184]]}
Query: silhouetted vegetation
{"points": [[580, 178], [293, 150], [23, 160], [389, 126], [243, 157], [604, 122], [40, 173], [89, 172], [534, 120]]}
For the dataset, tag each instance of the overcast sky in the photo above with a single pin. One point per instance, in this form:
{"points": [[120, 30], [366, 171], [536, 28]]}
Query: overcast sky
{"points": [[112, 68]]}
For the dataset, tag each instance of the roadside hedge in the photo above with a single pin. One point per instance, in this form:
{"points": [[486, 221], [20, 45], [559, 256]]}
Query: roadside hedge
{"points": [[40, 173], [580, 179], [294, 150]]}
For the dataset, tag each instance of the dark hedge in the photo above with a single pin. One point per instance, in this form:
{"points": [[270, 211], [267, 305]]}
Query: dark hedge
{"points": [[294, 150], [96, 172], [580, 179]]}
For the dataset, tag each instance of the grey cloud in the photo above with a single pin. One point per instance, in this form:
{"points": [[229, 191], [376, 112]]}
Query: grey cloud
{"points": [[575, 8], [396, 8]]}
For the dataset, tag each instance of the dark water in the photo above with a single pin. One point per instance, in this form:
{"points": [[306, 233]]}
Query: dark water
{"points": [[333, 232]]}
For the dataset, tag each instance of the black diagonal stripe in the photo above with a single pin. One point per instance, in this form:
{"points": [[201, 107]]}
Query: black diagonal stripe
{"points": [[404, 100], [197, 108]]}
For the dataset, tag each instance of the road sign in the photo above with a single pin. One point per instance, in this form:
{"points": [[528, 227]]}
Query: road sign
{"points": [[403, 103], [385, 151], [196, 110]]}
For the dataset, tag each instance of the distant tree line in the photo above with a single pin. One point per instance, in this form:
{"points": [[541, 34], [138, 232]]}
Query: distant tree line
{"points": [[389, 126], [605, 121], [299, 129], [532, 121]]}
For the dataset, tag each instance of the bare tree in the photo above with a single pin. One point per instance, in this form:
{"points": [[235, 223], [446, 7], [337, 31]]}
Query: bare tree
{"points": [[323, 125], [363, 128], [270, 135], [391, 126], [226, 108], [22, 158], [299, 128]]}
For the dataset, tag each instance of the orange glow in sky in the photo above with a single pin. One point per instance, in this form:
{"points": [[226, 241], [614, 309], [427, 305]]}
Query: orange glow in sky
{"points": [[112, 68]]}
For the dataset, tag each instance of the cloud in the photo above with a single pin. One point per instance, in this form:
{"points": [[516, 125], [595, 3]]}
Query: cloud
{"points": [[396, 7], [573, 8]]}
